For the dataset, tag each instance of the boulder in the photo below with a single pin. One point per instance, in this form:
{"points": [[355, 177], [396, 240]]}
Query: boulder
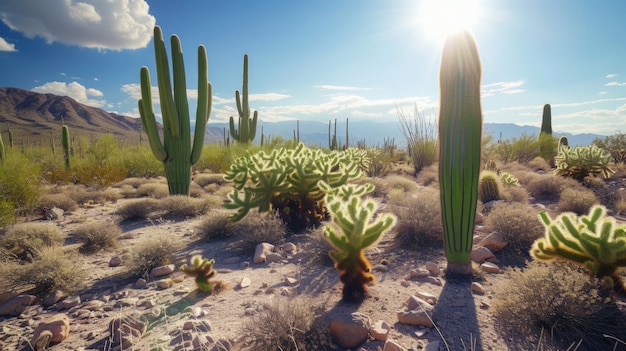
{"points": [[350, 331], [58, 325]]}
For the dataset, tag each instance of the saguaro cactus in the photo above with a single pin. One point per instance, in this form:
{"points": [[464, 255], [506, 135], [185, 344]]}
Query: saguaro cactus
{"points": [[65, 141], [546, 120], [247, 126], [176, 151], [2, 149], [460, 129], [546, 142]]}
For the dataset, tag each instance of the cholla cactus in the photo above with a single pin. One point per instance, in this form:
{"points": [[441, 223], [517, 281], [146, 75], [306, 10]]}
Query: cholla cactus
{"points": [[359, 230], [582, 161], [247, 125], [508, 179], [202, 270], [594, 242]]}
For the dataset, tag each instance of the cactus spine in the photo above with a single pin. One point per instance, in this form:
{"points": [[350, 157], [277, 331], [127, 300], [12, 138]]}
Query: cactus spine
{"points": [[247, 126], [176, 151], [65, 141], [460, 129]]}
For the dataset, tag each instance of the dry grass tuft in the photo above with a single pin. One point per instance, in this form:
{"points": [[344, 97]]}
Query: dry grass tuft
{"points": [[25, 239], [258, 228], [151, 253], [419, 218], [183, 206], [518, 224], [539, 164], [216, 225], [515, 194], [548, 187], [62, 201], [406, 184], [137, 209], [429, 176], [97, 236], [577, 200], [204, 179], [156, 190], [563, 302]]}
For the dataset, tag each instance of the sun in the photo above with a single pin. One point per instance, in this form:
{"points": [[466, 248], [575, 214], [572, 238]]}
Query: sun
{"points": [[439, 18]]}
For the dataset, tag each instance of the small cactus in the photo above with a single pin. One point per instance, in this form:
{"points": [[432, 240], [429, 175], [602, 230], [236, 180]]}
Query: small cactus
{"points": [[202, 270], [489, 187]]}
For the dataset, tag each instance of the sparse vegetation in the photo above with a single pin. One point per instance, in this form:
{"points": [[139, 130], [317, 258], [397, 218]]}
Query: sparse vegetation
{"points": [[216, 225], [183, 206], [137, 209], [518, 225], [24, 240], [152, 252], [97, 236], [577, 200], [419, 218]]}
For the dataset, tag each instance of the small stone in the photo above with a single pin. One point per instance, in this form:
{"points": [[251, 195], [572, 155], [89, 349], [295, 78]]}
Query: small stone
{"points": [[405, 283], [414, 302], [493, 242], [15, 305], [380, 330], [391, 345], [141, 283], [433, 346], [53, 214], [428, 297], [261, 252], [115, 261], [182, 291], [164, 283], [434, 281], [245, 282], [481, 254], [415, 317], [53, 298], [380, 268], [274, 257], [433, 268], [292, 281], [147, 303], [489, 267], [478, 288], [350, 331], [69, 302], [126, 302], [163, 270], [58, 325], [244, 265], [288, 248], [419, 273]]}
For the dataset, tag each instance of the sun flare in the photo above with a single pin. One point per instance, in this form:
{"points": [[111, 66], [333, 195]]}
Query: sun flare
{"points": [[439, 18]]}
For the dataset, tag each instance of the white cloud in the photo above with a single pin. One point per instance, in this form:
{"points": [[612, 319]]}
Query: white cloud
{"points": [[6, 46], [111, 24], [267, 97], [339, 88], [611, 75], [603, 92], [502, 87], [614, 84], [74, 90]]}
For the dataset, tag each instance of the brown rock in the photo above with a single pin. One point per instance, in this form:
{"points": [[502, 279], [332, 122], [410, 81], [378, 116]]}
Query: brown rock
{"points": [[58, 325], [15, 305], [380, 330], [478, 288], [163, 270], [115, 261], [433, 268], [489, 267], [481, 254], [493, 242], [350, 331], [391, 345], [261, 252]]}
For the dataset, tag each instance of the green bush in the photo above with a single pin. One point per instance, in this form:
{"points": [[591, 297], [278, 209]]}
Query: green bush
{"points": [[520, 149], [25, 239], [139, 162], [518, 225], [421, 136], [20, 183], [615, 145]]}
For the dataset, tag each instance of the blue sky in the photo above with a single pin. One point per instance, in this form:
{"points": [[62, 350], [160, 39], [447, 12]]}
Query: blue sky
{"points": [[327, 59]]}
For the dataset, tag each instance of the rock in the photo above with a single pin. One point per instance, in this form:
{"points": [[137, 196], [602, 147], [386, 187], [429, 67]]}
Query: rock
{"points": [[434, 281], [164, 284], [350, 331], [126, 330], [428, 297], [380, 330], [69, 303], [15, 305], [162, 270], [493, 242], [478, 288], [274, 257], [289, 248], [414, 303], [115, 261], [481, 254], [479, 218], [292, 281], [489, 267], [433, 268], [405, 283], [53, 214], [53, 298], [261, 252], [245, 282], [433, 346], [141, 283], [58, 325], [244, 265], [380, 268], [417, 312], [417, 273], [391, 345]]}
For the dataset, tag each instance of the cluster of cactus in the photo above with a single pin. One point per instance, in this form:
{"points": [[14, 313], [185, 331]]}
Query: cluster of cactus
{"points": [[176, 151], [460, 129], [287, 181], [333, 142], [582, 161], [65, 141], [202, 270], [594, 241], [355, 228], [246, 132]]}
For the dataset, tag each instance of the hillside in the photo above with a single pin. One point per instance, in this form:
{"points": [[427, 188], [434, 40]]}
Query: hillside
{"points": [[34, 116]]}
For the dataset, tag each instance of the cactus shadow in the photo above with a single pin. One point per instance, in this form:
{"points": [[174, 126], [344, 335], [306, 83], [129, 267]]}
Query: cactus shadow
{"points": [[455, 315]]}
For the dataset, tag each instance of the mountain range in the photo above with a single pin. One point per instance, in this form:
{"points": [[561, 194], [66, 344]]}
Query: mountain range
{"points": [[34, 116]]}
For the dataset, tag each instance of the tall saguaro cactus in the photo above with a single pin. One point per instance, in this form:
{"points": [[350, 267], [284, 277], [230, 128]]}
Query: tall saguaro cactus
{"points": [[460, 129], [65, 141], [176, 151], [546, 141], [247, 125]]}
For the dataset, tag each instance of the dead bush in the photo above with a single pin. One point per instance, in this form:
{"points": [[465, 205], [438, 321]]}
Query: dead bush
{"points": [[258, 228], [548, 187], [518, 224], [183, 206], [515, 194], [24, 239], [419, 218], [61, 201], [156, 190], [216, 225], [151, 253], [204, 179], [97, 236], [577, 200], [137, 209]]}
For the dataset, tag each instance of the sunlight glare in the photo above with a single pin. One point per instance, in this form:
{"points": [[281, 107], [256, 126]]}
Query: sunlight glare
{"points": [[439, 18]]}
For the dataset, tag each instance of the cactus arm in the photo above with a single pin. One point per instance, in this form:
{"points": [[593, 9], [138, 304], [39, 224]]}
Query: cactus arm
{"points": [[205, 93], [166, 101], [148, 120]]}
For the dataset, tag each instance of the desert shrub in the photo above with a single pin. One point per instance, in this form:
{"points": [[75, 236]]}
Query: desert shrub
{"points": [[420, 132], [98, 236], [561, 301], [408, 185], [258, 228], [281, 326], [594, 183], [151, 253], [126, 191], [184, 206], [520, 149], [419, 218], [141, 163], [7, 213], [515, 194], [218, 157], [51, 269], [196, 190], [153, 190], [615, 145], [20, 183], [429, 176], [548, 187], [86, 174], [216, 225], [379, 162], [204, 179], [23, 239], [137, 209], [61, 201], [577, 200], [518, 224], [134, 182]]}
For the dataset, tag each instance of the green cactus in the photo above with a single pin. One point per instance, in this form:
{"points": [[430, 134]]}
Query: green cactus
{"points": [[460, 128], [176, 151], [10, 136], [546, 120], [594, 241], [359, 229], [563, 142], [508, 179], [582, 161], [332, 138], [489, 187], [202, 270], [52, 146], [2, 149], [287, 181], [247, 126], [65, 141]]}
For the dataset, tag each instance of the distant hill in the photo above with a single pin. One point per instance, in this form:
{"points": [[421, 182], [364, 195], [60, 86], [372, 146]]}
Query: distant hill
{"points": [[36, 116]]}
